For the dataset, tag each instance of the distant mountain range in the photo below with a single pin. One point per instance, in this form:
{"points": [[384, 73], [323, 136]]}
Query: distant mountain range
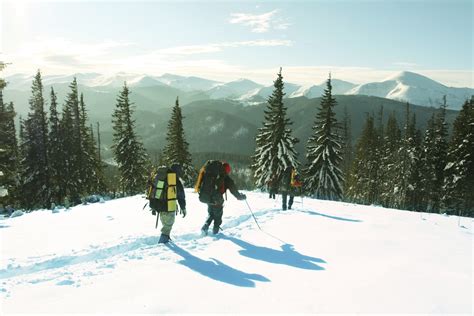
{"points": [[404, 86]]}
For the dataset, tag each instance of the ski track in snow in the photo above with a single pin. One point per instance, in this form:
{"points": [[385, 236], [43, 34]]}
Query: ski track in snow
{"points": [[71, 269]]}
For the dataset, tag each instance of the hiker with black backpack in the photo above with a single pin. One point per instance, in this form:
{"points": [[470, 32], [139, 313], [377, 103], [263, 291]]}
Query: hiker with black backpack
{"points": [[290, 184], [212, 183], [165, 188]]}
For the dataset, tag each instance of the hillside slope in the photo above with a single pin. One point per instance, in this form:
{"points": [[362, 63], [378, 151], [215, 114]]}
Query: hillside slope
{"points": [[320, 257]]}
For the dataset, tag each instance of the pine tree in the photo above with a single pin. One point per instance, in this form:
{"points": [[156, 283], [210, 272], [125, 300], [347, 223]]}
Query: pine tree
{"points": [[8, 152], [176, 150], [70, 127], [55, 151], [347, 150], [128, 150], [323, 176], [275, 149], [435, 158], [35, 164], [363, 179], [92, 177], [390, 174], [459, 180]]}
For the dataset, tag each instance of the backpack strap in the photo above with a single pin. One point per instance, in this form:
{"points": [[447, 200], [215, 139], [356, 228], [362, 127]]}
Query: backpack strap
{"points": [[197, 186]]}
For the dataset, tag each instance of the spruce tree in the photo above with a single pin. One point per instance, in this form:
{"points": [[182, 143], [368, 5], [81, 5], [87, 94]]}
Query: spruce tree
{"points": [[35, 164], [72, 146], [176, 150], [363, 180], [128, 150], [459, 180], [275, 149], [435, 158], [8, 152], [347, 150], [390, 175], [56, 156], [323, 176]]}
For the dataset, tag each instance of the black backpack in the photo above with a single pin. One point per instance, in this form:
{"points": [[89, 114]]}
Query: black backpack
{"points": [[211, 186], [161, 190]]}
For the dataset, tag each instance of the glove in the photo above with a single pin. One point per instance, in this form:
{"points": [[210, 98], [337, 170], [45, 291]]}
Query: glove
{"points": [[183, 212], [242, 197]]}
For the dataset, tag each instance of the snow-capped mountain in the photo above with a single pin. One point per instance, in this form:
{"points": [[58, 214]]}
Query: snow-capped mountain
{"points": [[234, 89], [187, 83], [416, 89], [403, 86]]}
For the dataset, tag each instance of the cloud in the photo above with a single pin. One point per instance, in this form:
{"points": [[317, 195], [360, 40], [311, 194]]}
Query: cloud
{"points": [[217, 47], [259, 23]]}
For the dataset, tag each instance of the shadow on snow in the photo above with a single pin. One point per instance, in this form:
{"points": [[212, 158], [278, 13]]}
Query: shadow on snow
{"points": [[216, 269], [287, 255], [330, 216]]}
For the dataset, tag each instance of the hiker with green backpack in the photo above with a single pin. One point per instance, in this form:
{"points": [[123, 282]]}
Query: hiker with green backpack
{"points": [[212, 183], [164, 190]]}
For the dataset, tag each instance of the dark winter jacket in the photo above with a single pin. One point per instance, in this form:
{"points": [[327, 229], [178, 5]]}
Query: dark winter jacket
{"points": [[229, 184], [285, 180]]}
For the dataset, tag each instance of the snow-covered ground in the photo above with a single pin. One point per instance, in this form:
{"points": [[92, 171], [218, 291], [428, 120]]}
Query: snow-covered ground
{"points": [[321, 257]]}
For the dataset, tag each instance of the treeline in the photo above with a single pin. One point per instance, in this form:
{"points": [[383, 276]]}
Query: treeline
{"points": [[394, 165], [57, 158]]}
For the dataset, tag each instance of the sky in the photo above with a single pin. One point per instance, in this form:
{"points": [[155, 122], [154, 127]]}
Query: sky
{"points": [[356, 40]]}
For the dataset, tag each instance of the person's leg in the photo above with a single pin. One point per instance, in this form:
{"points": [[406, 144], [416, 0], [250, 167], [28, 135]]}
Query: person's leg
{"points": [[283, 198], [167, 221], [290, 202], [217, 211]]}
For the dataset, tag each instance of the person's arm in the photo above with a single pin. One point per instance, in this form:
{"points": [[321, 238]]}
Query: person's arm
{"points": [[180, 195], [230, 184]]}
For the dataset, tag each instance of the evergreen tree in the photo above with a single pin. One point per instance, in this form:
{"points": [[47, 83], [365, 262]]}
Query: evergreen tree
{"points": [[323, 176], [435, 158], [363, 180], [275, 149], [70, 127], [390, 174], [55, 151], [176, 150], [35, 164], [128, 150], [347, 150], [93, 178], [8, 152], [459, 180]]}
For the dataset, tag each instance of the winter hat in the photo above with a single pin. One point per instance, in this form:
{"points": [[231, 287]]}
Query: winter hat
{"points": [[227, 168]]}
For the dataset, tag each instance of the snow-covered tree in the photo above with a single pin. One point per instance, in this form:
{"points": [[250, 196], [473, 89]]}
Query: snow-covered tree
{"points": [[128, 150], [323, 176], [176, 150], [364, 180], [435, 150], [35, 164], [347, 149], [275, 149], [389, 170], [459, 171]]}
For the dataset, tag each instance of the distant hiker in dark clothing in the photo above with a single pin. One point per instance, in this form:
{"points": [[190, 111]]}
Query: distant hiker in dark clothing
{"points": [[213, 181], [273, 186], [165, 188], [290, 184]]}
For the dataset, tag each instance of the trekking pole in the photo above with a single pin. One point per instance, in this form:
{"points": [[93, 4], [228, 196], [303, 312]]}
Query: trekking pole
{"points": [[253, 214]]}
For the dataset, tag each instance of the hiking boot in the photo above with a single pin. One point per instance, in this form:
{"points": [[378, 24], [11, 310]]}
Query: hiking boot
{"points": [[164, 239], [215, 230], [204, 230], [284, 207]]}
